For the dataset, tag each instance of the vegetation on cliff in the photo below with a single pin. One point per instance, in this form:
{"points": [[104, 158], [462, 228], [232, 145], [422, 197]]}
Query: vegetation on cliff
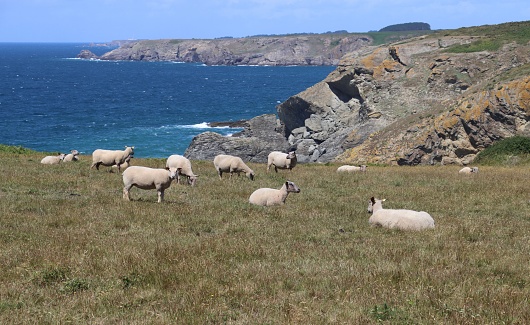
{"points": [[511, 151]]}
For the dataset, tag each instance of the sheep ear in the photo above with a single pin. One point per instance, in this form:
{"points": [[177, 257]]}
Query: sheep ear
{"points": [[383, 200], [372, 199]]}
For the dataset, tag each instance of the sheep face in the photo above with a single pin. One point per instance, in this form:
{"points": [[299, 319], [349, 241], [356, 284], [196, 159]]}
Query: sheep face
{"points": [[291, 187], [291, 155], [373, 202]]}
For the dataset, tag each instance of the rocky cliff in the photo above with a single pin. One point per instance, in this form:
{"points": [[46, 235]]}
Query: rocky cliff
{"points": [[310, 49], [417, 101]]}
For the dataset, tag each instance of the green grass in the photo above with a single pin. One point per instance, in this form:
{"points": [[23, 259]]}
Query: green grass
{"points": [[510, 151], [73, 251], [492, 36]]}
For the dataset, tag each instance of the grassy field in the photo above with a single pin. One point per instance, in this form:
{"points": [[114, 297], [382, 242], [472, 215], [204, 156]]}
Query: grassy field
{"points": [[73, 251]]}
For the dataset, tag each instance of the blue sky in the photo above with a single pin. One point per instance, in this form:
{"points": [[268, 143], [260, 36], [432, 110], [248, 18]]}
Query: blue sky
{"points": [[107, 20]]}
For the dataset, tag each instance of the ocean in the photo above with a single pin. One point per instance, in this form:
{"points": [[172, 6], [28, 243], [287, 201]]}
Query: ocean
{"points": [[52, 102]]}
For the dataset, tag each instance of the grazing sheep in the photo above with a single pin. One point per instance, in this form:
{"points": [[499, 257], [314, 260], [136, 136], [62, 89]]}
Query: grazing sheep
{"points": [[147, 178], [53, 160], [398, 219], [231, 164], [72, 156], [184, 164], [281, 160], [111, 157], [351, 169], [125, 164], [270, 196], [468, 170]]}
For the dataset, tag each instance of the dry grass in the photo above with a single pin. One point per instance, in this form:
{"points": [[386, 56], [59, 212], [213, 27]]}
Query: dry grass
{"points": [[74, 251]]}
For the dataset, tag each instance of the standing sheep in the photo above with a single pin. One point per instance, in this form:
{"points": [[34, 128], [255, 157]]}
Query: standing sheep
{"points": [[468, 170], [147, 178], [72, 156], [184, 164], [398, 218], [53, 160], [125, 164], [111, 157], [281, 160], [231, 164], [351, 169], [270, 196]]}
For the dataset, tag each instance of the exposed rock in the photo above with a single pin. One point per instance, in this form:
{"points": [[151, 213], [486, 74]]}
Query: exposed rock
{"points": [[406, 103], [86, 54], [261, 136], [311, 49]]}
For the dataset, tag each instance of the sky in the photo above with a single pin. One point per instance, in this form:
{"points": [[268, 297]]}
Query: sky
{"points": [[108, 20]]}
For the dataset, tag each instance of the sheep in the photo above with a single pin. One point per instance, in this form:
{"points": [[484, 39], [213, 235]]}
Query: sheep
{"points": [[468, 170], [111, 157], [281, 160], [72, 156], [398, 218], [270, 196], [53, 160], [125, 164], [184, 164], [351, 169], [231, 164], [147, 178]]}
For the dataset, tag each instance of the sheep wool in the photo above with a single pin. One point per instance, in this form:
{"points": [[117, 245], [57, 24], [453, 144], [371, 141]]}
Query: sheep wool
{"points": [[281, 160], [111, 157], [351, 169], [270, 196], [147, 178], [53, 160], [231, 164], [398, 218], [468, 170], [184, 164]]}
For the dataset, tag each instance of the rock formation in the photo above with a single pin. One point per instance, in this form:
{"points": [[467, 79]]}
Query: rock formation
{"points": [[310, 49]]}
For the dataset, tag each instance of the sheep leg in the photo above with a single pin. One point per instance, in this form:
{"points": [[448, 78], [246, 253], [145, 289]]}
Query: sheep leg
{"points": [[220, 173], [160, 196], [126, 193]]}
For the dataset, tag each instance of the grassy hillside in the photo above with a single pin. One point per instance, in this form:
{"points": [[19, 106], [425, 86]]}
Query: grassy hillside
{"points": [[73, 251]]}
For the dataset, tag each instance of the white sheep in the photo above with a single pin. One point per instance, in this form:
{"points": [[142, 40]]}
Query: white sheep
{"points": [[53, 160], [398, 218], [184, 164], [351, 169], [111, 157], [147, 178], [125, 164], [231, 164], [72, 156], [468, 170], [281, 160], [270, 196]]}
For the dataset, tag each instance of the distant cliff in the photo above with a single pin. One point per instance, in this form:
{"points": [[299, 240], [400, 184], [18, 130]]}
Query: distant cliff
{"points": [[306, 49], [435, 99]]}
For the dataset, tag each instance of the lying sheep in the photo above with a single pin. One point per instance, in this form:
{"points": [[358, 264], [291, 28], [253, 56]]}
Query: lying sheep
{"points": [[53, 160], [281, 160], [351, 169], [111, 157], [147, 178], [270, 196], [398, 219], [231, 164], [72, 156], [184, 164], [468, 170]]}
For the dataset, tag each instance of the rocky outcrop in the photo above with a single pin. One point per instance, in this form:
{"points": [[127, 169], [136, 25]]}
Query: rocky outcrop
{"points": [[407, 103], [260, 136], [311, 49]]}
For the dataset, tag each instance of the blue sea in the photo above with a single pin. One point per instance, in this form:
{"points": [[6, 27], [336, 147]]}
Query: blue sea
{"points": [[52, 102]]}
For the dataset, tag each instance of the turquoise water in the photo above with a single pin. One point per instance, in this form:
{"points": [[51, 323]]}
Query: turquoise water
{"points": [[50, 101]]}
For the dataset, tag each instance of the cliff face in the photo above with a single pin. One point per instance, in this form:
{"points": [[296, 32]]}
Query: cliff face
{"points": [[412, 103], [317, 49]]}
